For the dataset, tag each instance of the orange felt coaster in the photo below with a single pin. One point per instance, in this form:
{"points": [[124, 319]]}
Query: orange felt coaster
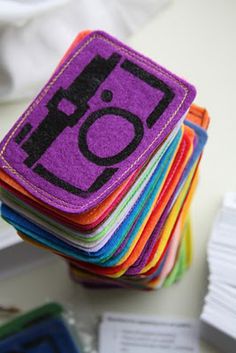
{"points": [[70, 219], [76, 41], [198, 116]]}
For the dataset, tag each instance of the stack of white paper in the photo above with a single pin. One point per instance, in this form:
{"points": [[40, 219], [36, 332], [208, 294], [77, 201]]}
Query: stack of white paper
{"points": [[120, 333], [220, 303]]}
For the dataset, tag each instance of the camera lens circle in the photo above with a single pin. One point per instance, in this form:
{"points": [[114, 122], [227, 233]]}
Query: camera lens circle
{"points": [[128, 150]]}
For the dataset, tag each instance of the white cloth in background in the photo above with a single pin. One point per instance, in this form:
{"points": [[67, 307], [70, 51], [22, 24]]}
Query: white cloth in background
{"points": [[34, 34]]}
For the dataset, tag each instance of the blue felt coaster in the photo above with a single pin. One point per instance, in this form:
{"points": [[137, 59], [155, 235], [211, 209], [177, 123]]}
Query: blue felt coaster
{"points": [[47, 336]]}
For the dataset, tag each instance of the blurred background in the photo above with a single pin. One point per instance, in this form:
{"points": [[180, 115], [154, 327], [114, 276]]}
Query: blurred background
{"points": [[196, 39], [34, 34]]}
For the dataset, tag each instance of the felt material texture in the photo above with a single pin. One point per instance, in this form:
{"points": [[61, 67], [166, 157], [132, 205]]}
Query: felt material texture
{"points": [[81, 148], [85, 220], [105, 166]]}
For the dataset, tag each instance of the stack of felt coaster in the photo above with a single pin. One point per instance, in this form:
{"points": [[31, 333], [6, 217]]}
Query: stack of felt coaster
{"points": [[102, 166]]}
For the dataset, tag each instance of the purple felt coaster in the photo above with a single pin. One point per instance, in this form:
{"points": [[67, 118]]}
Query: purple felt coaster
{"points": [[100, 116]]}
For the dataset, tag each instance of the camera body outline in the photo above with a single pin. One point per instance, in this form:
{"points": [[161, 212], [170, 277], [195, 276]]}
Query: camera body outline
{"points": [[77, 97]]}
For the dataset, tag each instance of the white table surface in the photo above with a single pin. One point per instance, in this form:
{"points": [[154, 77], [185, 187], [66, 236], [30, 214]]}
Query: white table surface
{"points": [[195, 39]]}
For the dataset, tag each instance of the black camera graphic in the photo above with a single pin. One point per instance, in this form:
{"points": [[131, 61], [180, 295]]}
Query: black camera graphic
{"points": [[68, 106]]}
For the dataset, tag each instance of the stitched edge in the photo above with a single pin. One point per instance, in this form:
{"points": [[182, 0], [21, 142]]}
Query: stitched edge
{"points": [[162, 243], [45, 195], [179, 160], [183, 150]]}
